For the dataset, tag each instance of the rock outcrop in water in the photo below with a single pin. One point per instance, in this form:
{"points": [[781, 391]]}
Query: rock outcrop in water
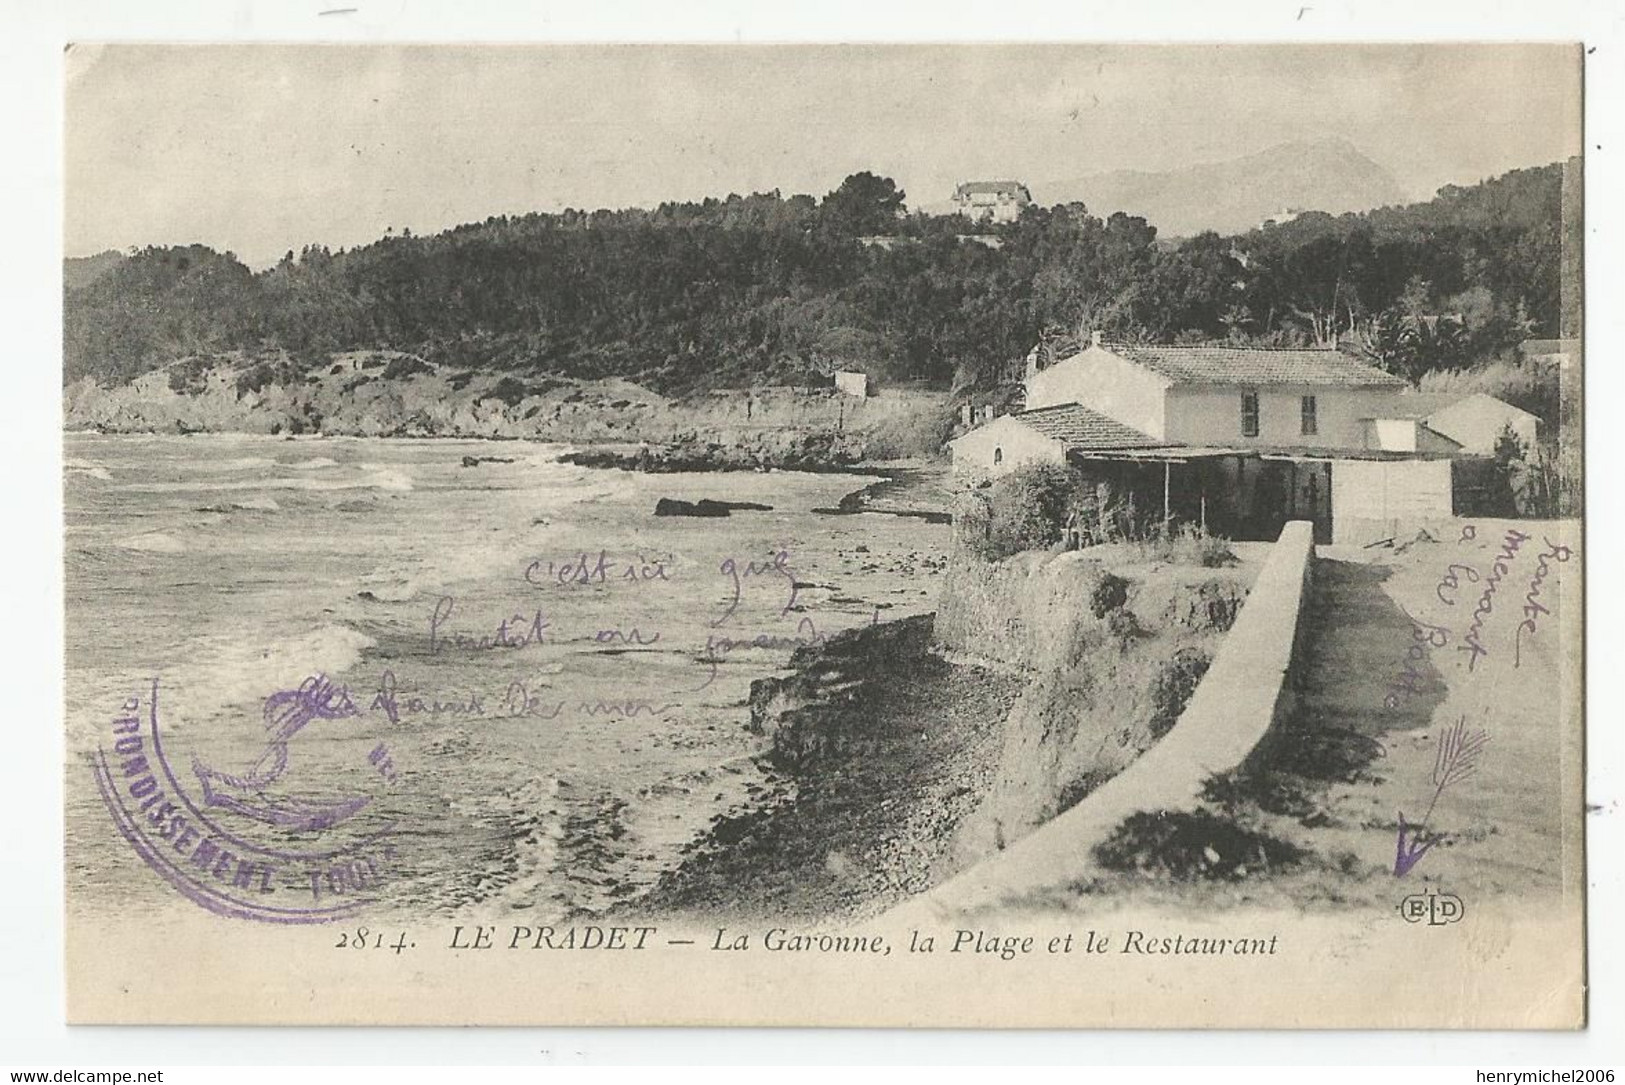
{"points": [[670, 506], [705, 506]]}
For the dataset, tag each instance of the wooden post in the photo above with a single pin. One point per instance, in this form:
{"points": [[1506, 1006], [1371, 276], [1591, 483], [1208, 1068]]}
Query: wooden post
{"points": [[1167, 507]]}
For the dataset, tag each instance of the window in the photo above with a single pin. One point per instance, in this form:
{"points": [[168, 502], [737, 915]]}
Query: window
{"points": [[1249, 414], [998, 455], [1310, 427]]}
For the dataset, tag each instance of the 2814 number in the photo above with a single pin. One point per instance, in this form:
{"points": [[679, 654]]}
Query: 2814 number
{"points": [[362, 938]]}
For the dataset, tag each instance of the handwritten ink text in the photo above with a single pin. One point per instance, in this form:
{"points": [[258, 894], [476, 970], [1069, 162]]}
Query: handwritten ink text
{"points": [[514, 631], [1486, 604], [602, 570], [1532, 609]]}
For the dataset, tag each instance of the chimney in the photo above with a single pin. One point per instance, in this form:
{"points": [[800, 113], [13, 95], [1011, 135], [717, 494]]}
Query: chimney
{"points": [[1094, 338], [1032, 360], [966, 412]]}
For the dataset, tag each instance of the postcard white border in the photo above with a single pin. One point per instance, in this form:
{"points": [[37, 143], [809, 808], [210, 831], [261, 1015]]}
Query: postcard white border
{"points": [[31, 978]]}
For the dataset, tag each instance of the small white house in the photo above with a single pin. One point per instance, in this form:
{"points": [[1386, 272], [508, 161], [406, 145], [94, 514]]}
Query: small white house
{"points": [[852, 383], [1041, 436], [1471, 424]]}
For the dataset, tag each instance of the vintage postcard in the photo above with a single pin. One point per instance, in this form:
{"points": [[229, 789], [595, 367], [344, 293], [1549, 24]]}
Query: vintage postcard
{"points": [[1020, 535]]}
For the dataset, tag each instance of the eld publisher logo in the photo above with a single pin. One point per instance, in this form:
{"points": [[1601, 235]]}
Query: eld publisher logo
{"points": [[1434, 908]]}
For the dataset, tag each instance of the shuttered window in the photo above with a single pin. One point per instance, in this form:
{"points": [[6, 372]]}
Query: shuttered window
{"points": [[1249, 414], [1310, 425]]}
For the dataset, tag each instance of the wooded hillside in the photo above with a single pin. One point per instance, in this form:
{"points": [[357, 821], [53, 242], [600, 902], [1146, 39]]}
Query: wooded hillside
{"points": [[767, 289]]}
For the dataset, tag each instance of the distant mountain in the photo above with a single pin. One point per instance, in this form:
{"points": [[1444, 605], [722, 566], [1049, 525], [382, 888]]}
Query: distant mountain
{"points": [[1233, 196], [81, 271]]}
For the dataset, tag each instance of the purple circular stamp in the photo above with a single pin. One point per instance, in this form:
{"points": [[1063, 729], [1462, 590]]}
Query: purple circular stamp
{"points": [[250, 842]]}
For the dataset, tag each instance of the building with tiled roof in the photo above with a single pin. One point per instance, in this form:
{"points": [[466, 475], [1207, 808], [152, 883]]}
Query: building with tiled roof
{"points": [[993, 201], [1083, 429], [1222, 395], [1237, 439], [1227, 365], [1046, 435]]}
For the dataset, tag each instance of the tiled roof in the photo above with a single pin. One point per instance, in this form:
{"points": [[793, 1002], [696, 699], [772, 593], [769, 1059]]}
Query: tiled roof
{"points": [[1257, 366], [1015, 188], [1079, 427]]}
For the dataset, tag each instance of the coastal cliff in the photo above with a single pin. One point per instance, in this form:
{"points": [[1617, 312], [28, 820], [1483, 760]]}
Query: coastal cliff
{"points": [[392, 394], [908, 750], [1113, 648]]}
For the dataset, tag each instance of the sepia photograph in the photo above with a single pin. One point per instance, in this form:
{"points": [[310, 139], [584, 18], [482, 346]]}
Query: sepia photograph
{"points": [[995, 535]]}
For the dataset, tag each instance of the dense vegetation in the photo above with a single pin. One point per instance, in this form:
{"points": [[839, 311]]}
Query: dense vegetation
{"points": [[762, 288], [1038, 506]]}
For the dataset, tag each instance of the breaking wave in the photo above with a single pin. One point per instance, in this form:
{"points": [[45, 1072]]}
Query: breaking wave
{"points": [[224, 672], [88, 468], [374, 477], [153, 542]]}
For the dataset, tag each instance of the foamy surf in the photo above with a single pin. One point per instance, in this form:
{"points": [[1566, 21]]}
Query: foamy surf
{"points": [[245, 504], [153, 542], [87, 468], [376, 477], [223, 672], [239, 463]]}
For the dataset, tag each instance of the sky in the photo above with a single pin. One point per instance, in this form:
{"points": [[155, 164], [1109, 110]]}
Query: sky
{"points": [[260, 149]]}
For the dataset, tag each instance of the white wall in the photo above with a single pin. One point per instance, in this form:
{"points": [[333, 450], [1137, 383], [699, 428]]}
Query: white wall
{"points": [[1102, 381], [1381, 499], [1392, 434], [1202, 415], [1477, 421], [973, 453], [853, 384]]}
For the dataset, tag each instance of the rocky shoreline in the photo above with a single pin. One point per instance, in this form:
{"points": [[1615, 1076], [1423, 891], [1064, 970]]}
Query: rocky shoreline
{"points": [[380, 393], [878, 749], [690, 453], [900, 753]]}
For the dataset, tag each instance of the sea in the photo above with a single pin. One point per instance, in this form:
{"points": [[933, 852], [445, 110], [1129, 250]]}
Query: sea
{"points": [[540, 689]]}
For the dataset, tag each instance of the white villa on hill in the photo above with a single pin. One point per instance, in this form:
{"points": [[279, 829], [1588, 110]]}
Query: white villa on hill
{"points": [[991, 201], [1242, 438]]}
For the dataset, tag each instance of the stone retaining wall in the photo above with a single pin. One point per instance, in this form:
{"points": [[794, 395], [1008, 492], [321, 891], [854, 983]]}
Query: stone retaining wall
{"points": [[1245, 693]]}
